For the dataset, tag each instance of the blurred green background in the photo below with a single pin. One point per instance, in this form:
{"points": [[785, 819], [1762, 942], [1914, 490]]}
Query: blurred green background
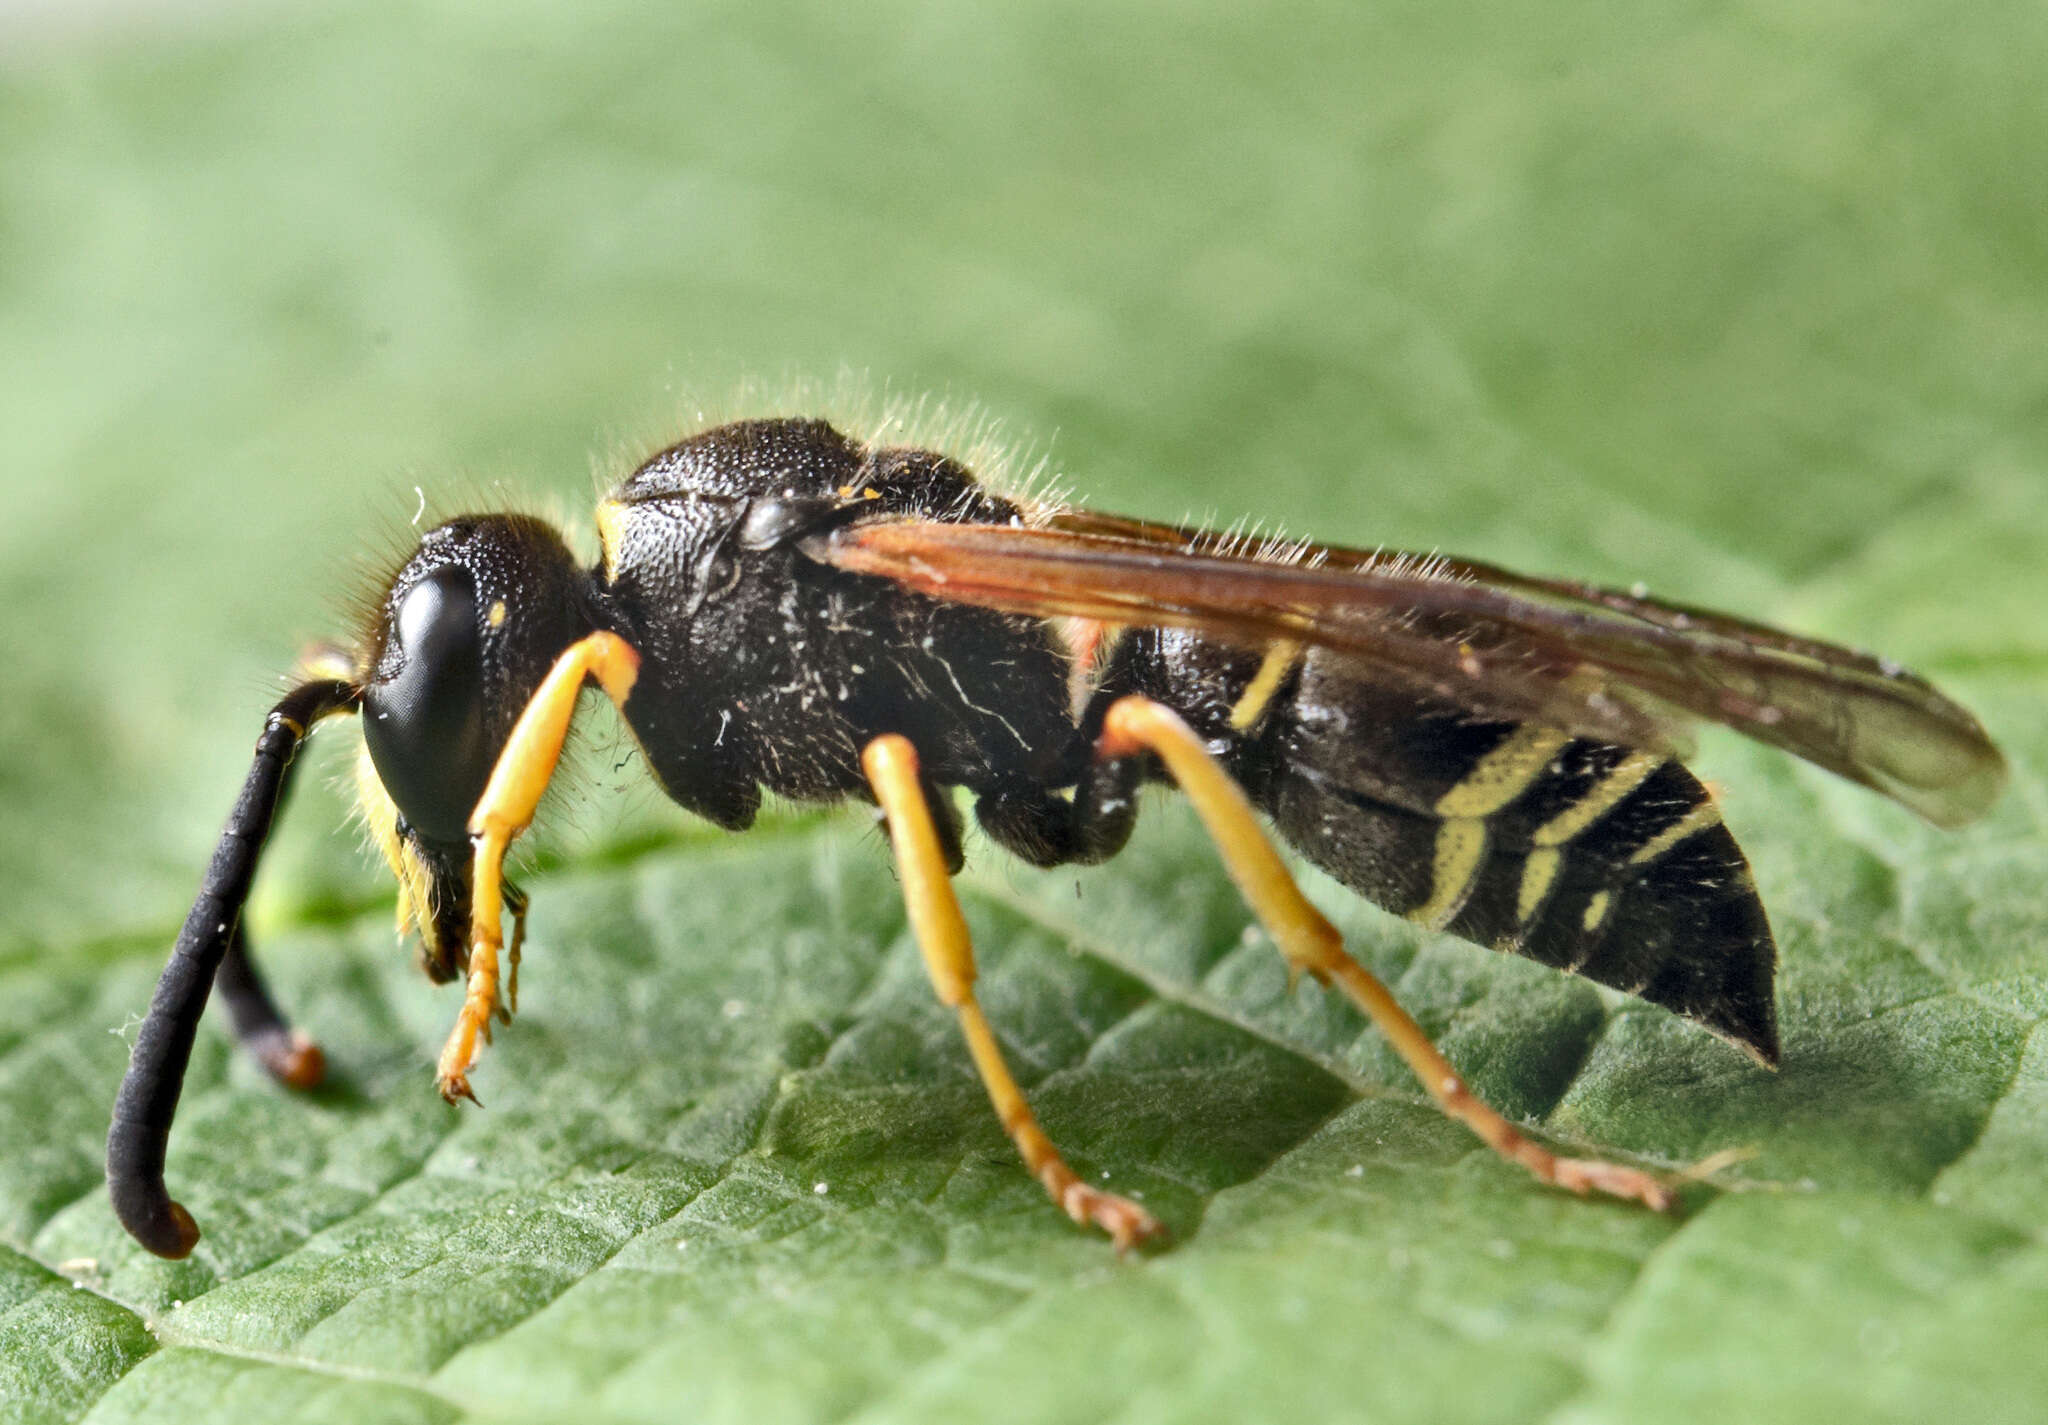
{"points": [[1744, 301]]}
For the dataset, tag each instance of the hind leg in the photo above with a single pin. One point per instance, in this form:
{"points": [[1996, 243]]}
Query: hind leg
{"points": [[1137, 725]]}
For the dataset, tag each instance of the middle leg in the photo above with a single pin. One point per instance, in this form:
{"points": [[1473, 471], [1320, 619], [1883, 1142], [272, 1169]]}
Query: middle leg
{"points": [[891, 766]]}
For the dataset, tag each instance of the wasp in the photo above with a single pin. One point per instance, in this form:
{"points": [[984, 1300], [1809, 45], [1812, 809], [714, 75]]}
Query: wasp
{"points": [[780, 607]]}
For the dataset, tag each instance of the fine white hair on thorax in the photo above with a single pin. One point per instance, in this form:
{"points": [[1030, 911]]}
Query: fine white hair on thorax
{"points": [[1002, 460]]}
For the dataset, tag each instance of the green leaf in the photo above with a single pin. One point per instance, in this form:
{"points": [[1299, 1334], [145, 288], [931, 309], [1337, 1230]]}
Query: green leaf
{"points": [[1746, 305]]}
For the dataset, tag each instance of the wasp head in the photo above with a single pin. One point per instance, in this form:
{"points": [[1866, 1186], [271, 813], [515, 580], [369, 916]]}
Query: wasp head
{"points": [[464, 633]]}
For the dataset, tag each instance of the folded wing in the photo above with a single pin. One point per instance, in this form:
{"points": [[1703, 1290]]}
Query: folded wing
{"points": [[1592, 662]]}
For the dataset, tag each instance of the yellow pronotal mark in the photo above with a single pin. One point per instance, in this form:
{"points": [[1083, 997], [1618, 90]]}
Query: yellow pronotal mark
{"points": [[497, 614], [1279, 661], [1504, 773], [1701, 817], [610, 513], [1538, 872], [1596, 910], [1624, 777], [1460, 848]]}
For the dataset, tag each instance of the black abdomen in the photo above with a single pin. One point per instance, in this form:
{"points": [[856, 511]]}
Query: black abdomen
{"points": [[1593, 858]]}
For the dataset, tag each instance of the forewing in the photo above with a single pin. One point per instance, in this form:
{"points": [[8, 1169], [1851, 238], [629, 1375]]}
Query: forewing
{"points": [[1592, 662]]}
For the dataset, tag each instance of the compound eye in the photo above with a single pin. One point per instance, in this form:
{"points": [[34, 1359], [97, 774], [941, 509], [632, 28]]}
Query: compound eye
{"points": [[424, 723]]}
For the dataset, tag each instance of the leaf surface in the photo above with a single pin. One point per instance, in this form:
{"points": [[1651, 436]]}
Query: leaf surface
{"points": [[1744, 305]]}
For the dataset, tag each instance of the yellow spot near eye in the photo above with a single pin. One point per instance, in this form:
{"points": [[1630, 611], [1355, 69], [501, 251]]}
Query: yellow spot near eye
{"points": [[326, 661], [497, 613]]}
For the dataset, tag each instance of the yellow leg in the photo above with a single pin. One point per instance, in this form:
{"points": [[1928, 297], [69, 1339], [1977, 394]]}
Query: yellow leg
{"points": [[891, 766], [515, 901], [1311, 943], [506, 808]]}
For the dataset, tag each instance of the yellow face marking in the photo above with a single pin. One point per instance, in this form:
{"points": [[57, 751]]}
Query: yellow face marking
{"points": [[380, 818], [1281, 656], [1596, 910], [1460, 848], [1701, 817], [610, 515], [497, 614], [1504, 773], [1538, 872], [1625, 776]]}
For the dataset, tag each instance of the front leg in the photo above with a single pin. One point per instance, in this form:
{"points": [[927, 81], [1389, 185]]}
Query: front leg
{"points": [[480, 988], [506, 808]]}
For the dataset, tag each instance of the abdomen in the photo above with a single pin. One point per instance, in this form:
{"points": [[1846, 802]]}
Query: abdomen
{"points": [[1601, 860]]}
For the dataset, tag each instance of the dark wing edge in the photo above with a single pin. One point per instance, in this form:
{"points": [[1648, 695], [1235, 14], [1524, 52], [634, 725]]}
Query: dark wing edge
{"points": [[1592, 662]]}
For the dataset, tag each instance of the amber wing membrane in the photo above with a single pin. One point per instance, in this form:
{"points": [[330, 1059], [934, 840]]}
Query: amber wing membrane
{"points": [[1592, 662]]}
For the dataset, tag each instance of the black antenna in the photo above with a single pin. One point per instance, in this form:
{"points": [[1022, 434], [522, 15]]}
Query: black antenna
{"points": [[163, 1046]]}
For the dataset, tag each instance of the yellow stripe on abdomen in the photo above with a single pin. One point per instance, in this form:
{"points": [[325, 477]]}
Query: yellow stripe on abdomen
{"points": [[1504, 773], [1281, 656], [1460, 851]]}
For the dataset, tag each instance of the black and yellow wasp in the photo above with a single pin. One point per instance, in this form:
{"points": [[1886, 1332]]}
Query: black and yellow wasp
{"points": [[781, 608]]}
